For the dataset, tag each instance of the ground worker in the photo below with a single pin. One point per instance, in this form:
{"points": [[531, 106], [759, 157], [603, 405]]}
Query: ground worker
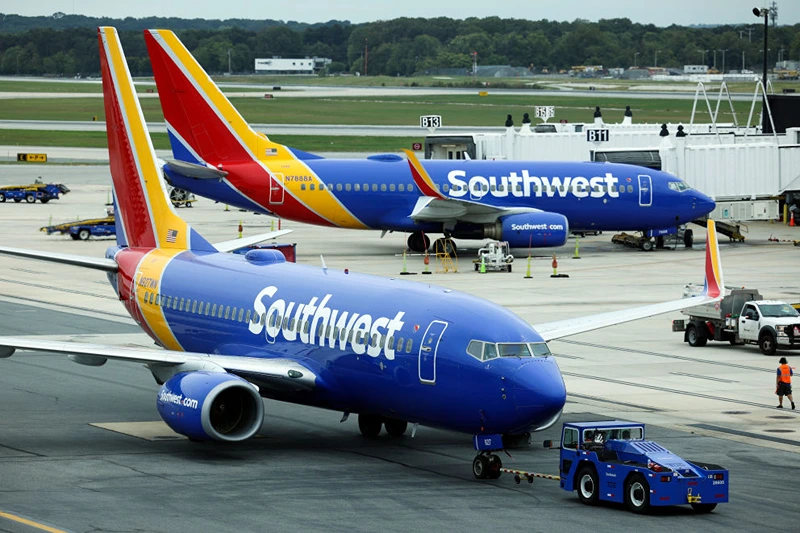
{"points": [[784, 383]]}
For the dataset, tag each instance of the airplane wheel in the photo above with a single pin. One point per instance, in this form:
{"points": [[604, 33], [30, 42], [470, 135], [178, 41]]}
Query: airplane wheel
{"points": [[394, 427], [444, 245], [637, 494], [370, 425], [688, 238], [480, 466], [84, 234], [418, 242], [588, 486]]}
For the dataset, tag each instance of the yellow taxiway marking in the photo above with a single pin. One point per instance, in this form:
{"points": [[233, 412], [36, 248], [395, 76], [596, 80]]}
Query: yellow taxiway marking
{"points": [[31, 523]]}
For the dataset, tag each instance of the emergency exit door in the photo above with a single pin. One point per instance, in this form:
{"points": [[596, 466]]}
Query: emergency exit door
{"points": [[427, 352]]}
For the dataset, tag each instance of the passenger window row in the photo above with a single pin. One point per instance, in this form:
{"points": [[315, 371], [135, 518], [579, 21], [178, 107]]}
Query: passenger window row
{"points": [[285, 323], [391, 187]]}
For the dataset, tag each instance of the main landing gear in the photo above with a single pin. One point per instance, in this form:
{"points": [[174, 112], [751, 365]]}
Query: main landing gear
{"points": [[419, 242]]}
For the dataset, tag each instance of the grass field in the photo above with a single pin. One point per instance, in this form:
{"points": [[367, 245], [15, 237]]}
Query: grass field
{"points": [[456, 110], [309, 143]]}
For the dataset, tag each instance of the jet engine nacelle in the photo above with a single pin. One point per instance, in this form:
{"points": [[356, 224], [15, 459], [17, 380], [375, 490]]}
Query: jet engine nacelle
{"points": [[211, 406], [537, 230]]}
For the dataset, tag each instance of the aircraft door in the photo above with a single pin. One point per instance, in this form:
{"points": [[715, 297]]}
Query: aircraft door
{"points": [[645, 191], [276, 189], [427, 351], [135, 311]]}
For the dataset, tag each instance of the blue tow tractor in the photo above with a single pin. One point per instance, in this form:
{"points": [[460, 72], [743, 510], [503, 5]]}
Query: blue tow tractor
{"points": [[612, 461]]}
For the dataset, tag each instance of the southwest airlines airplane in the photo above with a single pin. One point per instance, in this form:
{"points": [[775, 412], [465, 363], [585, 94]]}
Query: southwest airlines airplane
{"points": [[234, 329], [529, 204]]}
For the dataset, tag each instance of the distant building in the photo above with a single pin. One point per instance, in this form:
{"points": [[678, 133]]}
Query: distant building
{"points": [[695, 69], [279, 65]]}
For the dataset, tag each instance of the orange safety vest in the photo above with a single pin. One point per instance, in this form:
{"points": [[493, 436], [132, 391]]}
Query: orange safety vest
{"points": [[786, 373]]}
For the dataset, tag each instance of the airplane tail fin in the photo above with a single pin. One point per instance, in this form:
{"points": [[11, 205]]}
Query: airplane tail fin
{"points": [[714, 284], [145, 217], [203, 126]]}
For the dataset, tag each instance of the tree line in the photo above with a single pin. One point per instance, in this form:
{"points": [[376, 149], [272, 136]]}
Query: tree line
{"points": [[66, 45]]}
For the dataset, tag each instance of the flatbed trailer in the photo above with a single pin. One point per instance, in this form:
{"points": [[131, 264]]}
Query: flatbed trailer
{"points": [[44, 192], [83, 229]]}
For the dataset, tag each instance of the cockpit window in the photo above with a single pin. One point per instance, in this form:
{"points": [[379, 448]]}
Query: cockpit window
{"points": [[489, 351], [539, 349], [475, 349], [678, 186], [485, 351], [513, 350]]}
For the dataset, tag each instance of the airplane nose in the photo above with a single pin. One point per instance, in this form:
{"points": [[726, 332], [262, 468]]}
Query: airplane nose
{"points": [[539, 392], [703, 204]]}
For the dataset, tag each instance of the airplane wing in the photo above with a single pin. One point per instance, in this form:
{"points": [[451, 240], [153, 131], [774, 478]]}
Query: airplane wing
{"points": [[279, 372], [433, 205], [711, 292], [105, 264]]}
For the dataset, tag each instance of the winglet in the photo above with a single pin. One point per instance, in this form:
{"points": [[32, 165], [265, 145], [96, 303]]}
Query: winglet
{"points": [[714, 284], [421, 177]]}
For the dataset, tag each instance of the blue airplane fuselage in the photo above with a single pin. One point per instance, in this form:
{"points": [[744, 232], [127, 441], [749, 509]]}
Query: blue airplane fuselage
{"points": [[380, 193], [372, 352]]}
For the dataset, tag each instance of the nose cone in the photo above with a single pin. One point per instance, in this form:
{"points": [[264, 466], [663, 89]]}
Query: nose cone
{"points": [[539, 393], [702, 204]]}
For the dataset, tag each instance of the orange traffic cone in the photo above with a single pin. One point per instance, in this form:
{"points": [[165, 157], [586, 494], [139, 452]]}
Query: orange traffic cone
{"points": [[791, 220]]}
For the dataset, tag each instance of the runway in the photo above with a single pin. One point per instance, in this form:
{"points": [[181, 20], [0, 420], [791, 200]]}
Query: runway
{"points": [[82, 448]]}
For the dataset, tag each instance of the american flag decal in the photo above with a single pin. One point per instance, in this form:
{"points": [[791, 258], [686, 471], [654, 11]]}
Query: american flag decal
{"points": [[271, 151], [172, 235]]}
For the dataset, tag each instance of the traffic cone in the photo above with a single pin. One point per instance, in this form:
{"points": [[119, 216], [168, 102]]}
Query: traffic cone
{"points": [[577, 255], [427, 261], [272, 225], [483, 265], [227, 207], [791, 220], [240, 229], [555, 273], [528, 269]]}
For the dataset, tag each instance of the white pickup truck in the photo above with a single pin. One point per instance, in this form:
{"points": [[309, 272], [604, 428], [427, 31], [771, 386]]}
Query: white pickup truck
{"points": [[742, 317]]}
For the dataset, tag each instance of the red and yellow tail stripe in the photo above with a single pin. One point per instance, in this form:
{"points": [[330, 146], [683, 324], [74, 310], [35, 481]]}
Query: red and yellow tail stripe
{"points": [[149, 276], [421, 177], [147, 217], [714, 286], [202, 115]]}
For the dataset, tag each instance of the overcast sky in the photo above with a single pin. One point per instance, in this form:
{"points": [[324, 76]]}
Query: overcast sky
{"points": [[659, 12]]}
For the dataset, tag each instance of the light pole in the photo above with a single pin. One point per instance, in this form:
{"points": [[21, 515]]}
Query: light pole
{"points": [[635, 62], [715, 59], [764, 12], [703, 52], [655, 61], [723, 59]]}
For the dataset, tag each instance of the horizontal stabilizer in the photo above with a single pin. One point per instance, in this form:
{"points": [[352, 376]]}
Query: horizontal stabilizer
{"points": [[107, 265], [236, 244], [191, 170]]}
